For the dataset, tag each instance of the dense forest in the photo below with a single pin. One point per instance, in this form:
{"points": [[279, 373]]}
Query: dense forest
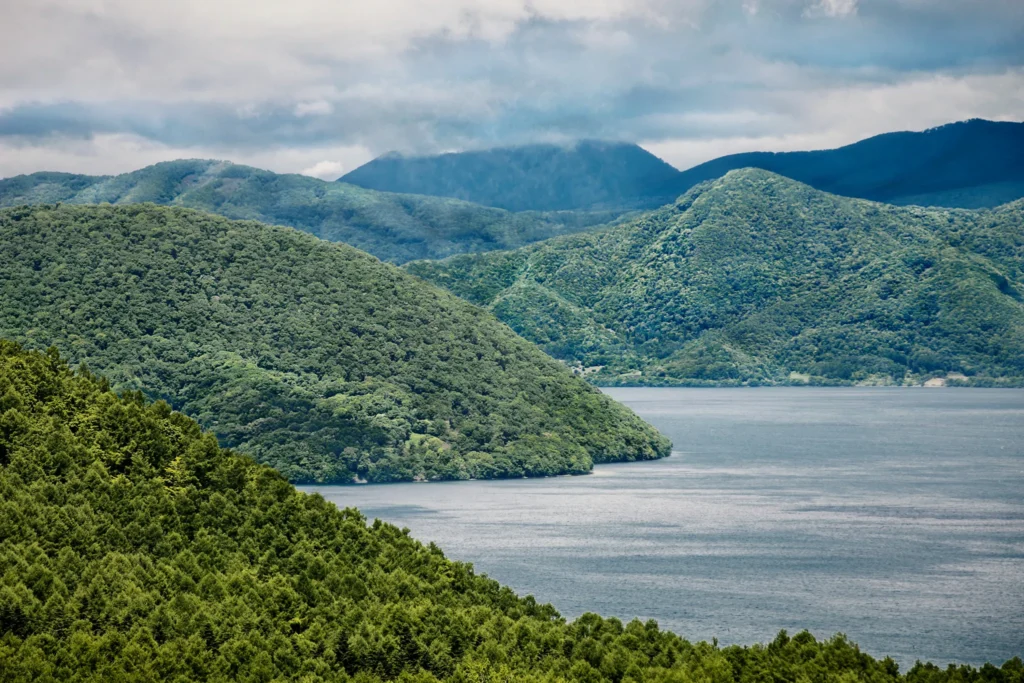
{"points": [[311, 356], [133, 548], [754, 278], [589, 174], [392, 227]]}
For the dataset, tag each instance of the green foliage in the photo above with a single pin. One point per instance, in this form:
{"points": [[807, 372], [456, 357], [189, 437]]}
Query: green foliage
{"points": [[132, 548], [312, 357], [393, 227], [754, 278]]}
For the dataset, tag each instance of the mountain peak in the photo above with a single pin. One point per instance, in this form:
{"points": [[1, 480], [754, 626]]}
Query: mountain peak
{"points": [[584, 174]]}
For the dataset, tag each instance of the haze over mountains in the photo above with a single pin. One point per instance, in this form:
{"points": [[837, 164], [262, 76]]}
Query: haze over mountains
{"points": [[971, 164], [757, 278]]}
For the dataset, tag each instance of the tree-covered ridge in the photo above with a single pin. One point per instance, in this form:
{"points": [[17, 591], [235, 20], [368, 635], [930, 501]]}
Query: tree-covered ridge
{"points": [[756, 278], [133, 548], [313, 357], [393, 227], [590, 174]]}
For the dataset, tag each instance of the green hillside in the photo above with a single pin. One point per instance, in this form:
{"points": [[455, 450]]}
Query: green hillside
{"points": [[755, 278], [132, 548], [313, 357], [393, 227]]}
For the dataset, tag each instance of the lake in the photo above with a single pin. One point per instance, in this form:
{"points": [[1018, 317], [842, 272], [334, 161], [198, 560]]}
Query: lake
{"points": [[893, 515]]}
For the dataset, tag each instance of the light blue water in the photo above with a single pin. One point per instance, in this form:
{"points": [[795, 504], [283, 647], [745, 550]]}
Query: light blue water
{"points": [[895, 516]]}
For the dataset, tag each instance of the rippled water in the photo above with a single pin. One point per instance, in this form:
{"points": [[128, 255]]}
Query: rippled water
{"points": [[895, 516]]}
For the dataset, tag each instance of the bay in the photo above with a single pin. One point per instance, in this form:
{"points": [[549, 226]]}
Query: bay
{"points": [[895, 516]]}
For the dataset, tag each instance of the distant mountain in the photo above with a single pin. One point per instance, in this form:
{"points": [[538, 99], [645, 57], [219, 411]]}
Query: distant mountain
{"points": [[586, 175], [393, 227], [972, 164], [754, 278], [312, 357]]}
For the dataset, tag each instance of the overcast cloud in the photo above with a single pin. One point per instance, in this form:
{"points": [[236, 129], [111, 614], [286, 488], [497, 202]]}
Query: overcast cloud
{"points": [[320, 86]]}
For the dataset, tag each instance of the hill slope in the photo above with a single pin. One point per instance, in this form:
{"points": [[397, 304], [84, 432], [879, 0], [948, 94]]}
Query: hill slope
{"points": [[393, 227], [753, 277], [589, 174], [971, 164], [313, 357], [133, 549]]}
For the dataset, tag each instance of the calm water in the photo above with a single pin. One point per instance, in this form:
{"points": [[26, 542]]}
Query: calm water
{"points": [[895, 516]]}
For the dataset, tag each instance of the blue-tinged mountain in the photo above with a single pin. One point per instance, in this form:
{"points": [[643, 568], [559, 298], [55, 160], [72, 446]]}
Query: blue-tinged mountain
{"points": [[971, 164], [589, 174], [392, 227], [755, 278]]}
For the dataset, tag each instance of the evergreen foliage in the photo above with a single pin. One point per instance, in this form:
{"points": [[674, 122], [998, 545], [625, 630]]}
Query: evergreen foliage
{"points": [[393, 227], [132, 548], [312, 357], [754, 278]]}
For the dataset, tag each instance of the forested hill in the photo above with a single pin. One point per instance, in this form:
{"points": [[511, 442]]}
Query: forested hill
{"points": [[132, 548], [756, 278], [313, 357], [971, 164], [393, 227], [590, 174]]}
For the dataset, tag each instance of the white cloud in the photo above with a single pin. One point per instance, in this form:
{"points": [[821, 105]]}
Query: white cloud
{"points": [[317, 108], [833, 117], [325, 170], [119, 153], [831, 8]]}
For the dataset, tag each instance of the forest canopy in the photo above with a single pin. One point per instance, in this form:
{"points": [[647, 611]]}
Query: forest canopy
{"points": [[313, 357], [134, 548], [755, 279]]}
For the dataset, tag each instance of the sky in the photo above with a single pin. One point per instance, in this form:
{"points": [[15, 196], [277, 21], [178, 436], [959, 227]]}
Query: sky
{"points": [[322, 86]]}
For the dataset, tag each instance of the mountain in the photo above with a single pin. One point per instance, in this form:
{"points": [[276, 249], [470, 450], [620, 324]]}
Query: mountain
{"points": [[132, 548], [393, 227], [754, 278], [313, 357], [587, 175], [971, 164]]}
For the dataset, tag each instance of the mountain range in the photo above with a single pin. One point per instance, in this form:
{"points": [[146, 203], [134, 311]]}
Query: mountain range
{"points": [[310, 356], [393, 227], [755, 278], [971, 164]]}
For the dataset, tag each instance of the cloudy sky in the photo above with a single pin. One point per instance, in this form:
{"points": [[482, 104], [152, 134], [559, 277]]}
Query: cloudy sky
{"points": [[321, 86]]}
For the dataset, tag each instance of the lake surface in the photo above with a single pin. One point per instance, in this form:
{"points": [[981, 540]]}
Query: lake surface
{"points": [[895, 516]]}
